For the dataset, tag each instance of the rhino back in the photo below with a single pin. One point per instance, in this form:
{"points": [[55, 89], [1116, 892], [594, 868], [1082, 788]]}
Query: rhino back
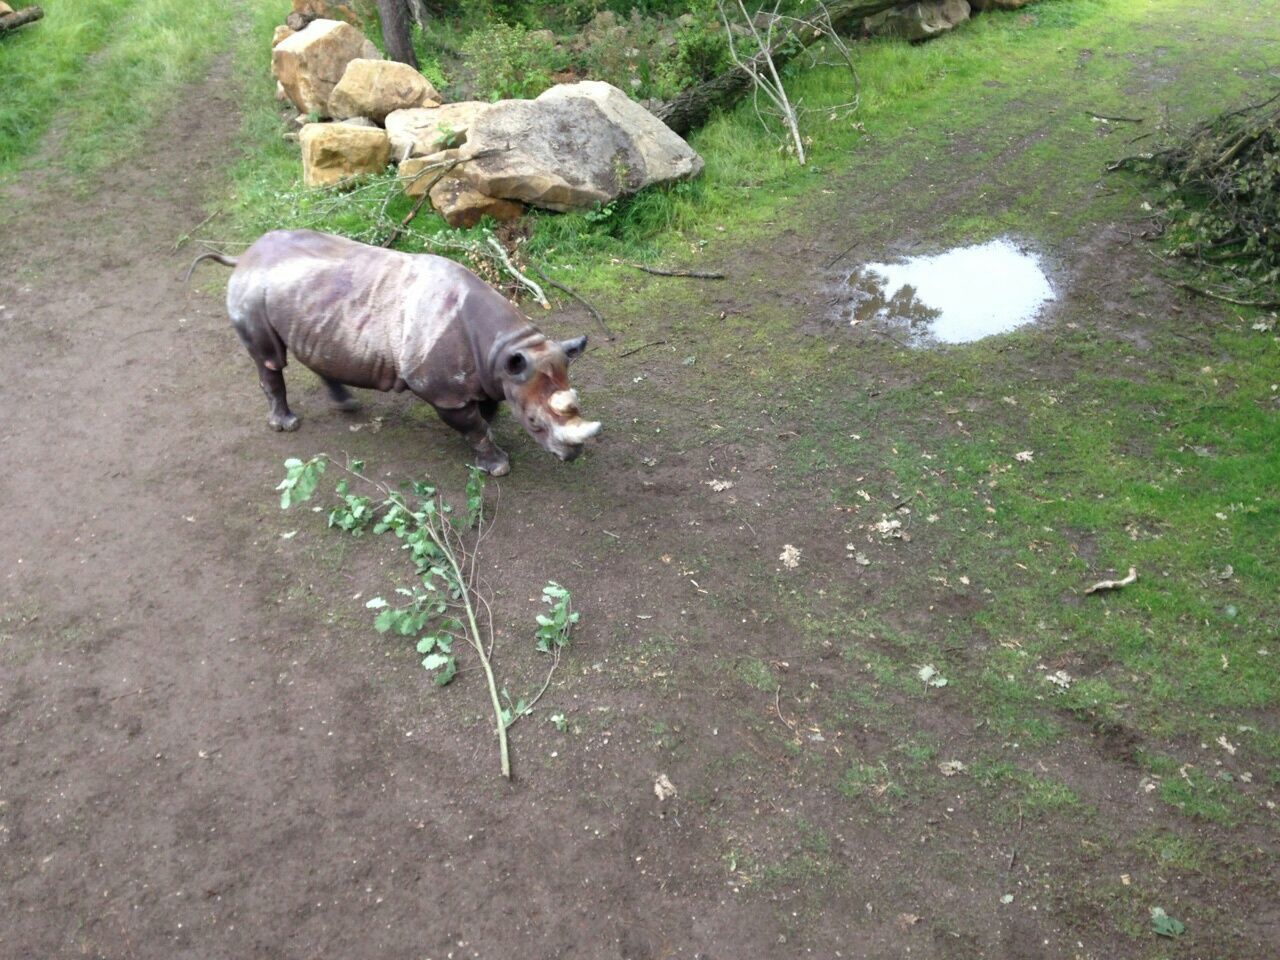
{"points": [[354, 313]]}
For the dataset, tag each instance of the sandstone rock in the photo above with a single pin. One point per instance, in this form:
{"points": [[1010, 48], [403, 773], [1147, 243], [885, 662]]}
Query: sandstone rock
{"points": [[997, 4], [5, 8], [418, 172], [603, 30], [462, 205], [282, 33], [310, 63], [918, 21], [375, 88], [359, 122], [281, 93], [575, 146], [331, 152], [426, 130], [327, 10]]}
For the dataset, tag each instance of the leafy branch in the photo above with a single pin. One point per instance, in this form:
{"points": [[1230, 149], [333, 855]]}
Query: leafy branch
{"points": [[446, 605]]}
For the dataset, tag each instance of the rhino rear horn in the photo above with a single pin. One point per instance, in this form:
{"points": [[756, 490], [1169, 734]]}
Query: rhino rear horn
{"points": [[574, 348]]}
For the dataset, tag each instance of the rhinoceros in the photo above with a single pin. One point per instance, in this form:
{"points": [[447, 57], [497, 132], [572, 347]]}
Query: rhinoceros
{"points": [[363, 316]]}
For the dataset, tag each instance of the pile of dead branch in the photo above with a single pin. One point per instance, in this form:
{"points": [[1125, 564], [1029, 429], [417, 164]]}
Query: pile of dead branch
{"points": [[1221, 201]]}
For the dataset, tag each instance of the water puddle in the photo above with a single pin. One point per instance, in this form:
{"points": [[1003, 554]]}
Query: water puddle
{"points": [[958, 296]]}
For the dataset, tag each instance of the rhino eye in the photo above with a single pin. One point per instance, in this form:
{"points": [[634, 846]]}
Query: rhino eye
{"points": [[517, 364]]}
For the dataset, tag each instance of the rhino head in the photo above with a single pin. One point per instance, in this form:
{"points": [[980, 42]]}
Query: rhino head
{"points": [[534, 375]]}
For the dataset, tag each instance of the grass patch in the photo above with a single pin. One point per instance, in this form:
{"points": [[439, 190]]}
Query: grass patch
{"points": [[93, 74]]}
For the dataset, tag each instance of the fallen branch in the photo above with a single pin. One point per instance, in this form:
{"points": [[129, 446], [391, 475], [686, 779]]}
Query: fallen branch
{"points": [[501, 254], [177, 244], [1264, 304], [692, 108], [1103, 116], [643, 346], [660, 272], [577, 296], [1114, 584], [443, 171], [408, 219], [19, 18], [778, 709], [842, 254]]}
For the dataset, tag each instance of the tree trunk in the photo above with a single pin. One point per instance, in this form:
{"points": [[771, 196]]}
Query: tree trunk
{"points": [[12, 21], [394, 15], [418, 10], [693, 107]]}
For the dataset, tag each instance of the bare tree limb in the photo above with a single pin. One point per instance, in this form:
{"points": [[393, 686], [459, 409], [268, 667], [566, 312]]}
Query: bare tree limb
{"points": [[19, 18]]}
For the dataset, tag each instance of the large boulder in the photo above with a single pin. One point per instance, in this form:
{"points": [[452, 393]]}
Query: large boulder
{"points": [[575, 146], [462, 205], [282, 32], [332, 152], [453, 197], [918, 21], [375, 88], [310, 63], [326, 10], [426, 130]]}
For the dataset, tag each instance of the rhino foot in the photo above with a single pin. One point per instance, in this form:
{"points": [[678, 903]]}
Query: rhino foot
{"points": [[495, 464], [286, 424]]}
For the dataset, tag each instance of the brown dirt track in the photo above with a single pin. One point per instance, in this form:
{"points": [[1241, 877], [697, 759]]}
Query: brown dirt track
{"points": [[204, 751]]}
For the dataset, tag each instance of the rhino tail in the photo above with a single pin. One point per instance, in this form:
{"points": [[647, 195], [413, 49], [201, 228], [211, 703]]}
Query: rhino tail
{"points": [[210, 255]]}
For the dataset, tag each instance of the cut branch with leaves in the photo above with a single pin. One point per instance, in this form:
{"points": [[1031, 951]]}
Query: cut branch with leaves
{"points": [[446, 605]]}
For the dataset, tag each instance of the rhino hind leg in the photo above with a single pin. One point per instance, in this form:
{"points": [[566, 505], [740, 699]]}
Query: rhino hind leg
{"points": [[341, 396], [279, 416], [471, 422]]}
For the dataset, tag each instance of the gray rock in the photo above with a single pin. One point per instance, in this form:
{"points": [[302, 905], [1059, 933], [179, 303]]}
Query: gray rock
{"points": [[575, 146]]}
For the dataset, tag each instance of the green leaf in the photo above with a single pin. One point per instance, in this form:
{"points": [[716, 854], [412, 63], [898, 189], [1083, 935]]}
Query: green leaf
{"points": [[377, 603], [426, 645], [1164, 925], [446, 668], [385, 620]]}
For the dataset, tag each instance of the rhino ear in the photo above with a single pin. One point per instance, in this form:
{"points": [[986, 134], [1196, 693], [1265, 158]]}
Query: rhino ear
{"points": [[574, 348]]}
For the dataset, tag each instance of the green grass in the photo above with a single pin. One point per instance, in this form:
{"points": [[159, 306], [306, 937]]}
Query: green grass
{"points": [[88, 78]]}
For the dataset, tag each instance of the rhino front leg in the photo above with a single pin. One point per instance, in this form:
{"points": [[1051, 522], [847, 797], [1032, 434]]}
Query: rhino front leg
{"points": [[279, 416], [470, 422], [341, 396]]}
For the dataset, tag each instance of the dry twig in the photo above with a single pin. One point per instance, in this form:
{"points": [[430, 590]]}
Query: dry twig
{"points": [[1114, 584], [577, 296], [661, 272]]}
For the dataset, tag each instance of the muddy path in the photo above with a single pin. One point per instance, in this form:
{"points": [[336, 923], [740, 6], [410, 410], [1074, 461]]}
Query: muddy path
{"points": [[208, 753]]}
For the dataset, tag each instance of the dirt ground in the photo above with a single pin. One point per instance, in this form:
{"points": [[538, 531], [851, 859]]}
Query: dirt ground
{"points": [[208, 753]]}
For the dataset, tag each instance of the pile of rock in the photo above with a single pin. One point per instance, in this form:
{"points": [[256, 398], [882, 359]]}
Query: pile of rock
{"points": [[575, 146]]}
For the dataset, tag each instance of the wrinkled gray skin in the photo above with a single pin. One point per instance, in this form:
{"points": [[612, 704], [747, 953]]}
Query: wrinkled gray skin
{"points": [[361, 316]]}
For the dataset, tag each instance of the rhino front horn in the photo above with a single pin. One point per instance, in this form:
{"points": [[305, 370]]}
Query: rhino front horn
{"points": [[578, 432]]}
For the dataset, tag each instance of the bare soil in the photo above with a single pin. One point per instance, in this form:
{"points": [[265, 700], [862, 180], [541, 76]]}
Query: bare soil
{"points": [[207, 752]]}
